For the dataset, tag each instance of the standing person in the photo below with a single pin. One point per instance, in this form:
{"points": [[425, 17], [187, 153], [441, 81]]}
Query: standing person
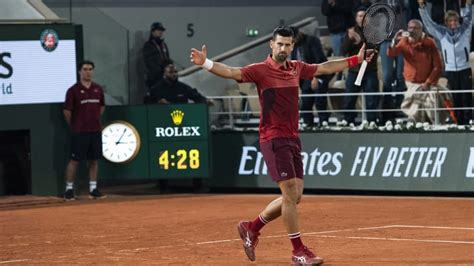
{"points": [[277, 80], [339, 19], [370, 82], [392, 70], [422, 68], [440, 7], [411, 9], [155, 51], [83, 108], [455, 39], [309, 49]]}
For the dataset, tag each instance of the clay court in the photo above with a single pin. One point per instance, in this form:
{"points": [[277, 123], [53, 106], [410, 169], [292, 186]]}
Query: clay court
{"points": [[201, 230]]}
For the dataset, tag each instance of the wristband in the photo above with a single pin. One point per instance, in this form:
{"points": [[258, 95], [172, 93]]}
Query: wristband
{"points": [[208, 64], [352, 61]]}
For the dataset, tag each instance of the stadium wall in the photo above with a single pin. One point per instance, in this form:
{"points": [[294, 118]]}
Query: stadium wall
{"points": [[114, 32], [377, 161]]}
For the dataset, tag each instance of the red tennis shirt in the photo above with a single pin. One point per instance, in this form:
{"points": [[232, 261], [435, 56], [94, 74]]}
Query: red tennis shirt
{"points": [[278, 91], [85, 104]]}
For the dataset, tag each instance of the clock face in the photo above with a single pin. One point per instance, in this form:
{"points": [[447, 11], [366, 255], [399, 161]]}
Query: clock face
{"points": [[120, 142]]}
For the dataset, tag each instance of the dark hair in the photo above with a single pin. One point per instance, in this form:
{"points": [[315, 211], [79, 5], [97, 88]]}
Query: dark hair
{"points": [[360, 8], [167, 62], [284, 31], [295, 31], [85, 62]]}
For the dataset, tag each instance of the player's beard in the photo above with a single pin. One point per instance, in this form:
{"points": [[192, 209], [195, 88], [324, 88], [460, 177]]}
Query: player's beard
{"points": [[281, 57]]}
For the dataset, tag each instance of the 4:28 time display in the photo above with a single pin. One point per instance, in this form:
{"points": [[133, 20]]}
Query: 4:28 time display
{"points": [[181, 160]]}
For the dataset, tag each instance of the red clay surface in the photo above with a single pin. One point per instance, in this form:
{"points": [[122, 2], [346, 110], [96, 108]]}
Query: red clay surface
{"points": [[201, 230]]}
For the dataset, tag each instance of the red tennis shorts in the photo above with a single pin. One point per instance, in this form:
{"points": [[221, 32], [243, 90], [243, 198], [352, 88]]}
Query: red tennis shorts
{"points": [[283, 158]]}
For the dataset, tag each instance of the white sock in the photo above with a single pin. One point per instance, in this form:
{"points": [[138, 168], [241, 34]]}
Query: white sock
{"points": [[69, 185], [92, 185]]}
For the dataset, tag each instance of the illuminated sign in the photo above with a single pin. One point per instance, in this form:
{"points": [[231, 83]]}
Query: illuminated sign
{"points": [[38, 66]]}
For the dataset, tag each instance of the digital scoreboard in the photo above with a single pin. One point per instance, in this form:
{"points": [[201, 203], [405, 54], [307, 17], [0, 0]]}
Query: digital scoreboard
{"points": [[38, 62], [178, 141]]}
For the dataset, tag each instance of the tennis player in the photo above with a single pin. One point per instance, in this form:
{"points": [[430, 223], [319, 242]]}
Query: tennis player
{"points": [[277, 79]]}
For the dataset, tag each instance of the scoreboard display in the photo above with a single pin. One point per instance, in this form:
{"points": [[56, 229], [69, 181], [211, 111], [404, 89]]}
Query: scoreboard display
{"points": [[178, 141], [38, 62]]}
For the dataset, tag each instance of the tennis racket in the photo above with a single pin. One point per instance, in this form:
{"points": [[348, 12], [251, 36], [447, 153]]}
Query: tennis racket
{"points": [[377, 26]]}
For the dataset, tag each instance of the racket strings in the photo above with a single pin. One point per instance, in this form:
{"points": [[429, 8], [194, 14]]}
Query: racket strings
{"points": [[379, 22]]}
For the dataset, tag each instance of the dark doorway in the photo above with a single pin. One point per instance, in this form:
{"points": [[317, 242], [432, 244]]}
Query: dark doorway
{"points": [[15, 163]]}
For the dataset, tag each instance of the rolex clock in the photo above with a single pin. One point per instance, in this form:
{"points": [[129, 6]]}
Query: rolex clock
{"points": [[178, 141], [120, 142]]}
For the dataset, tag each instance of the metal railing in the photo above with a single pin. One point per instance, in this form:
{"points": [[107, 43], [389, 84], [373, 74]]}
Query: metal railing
{"points": [[228, 114]]}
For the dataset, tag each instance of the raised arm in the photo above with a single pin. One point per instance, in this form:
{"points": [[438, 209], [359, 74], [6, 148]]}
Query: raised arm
{"points": [[339, 65], [438, 31], [466, 16], [199, 58], [395, 47]]}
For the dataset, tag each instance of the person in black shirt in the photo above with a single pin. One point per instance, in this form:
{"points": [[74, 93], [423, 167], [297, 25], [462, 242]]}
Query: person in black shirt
{"points": [[370, 83], [155, 52], [171, 90], [309, 49]]}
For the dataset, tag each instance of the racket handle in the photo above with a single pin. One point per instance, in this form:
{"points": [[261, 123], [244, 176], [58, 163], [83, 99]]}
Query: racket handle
{"points": [[360, 75]]}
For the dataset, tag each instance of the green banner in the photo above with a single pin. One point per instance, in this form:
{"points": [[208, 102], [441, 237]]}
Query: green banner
{"points": [[174, 142], [178, 122], [23, 32], [357, 161], [183, 159]]}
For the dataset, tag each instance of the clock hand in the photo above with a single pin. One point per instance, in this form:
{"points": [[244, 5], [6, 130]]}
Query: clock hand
{"points": [[118, 141]]}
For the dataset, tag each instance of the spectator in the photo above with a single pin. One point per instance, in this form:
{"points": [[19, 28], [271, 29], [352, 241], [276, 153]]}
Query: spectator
{"points": [[422, 68], [455, 41], [83, 108], [171, 91], [339, 19], [155, 51], [439, 8], [362, 3], [370, 83], [392, 71], [309, 49], [411, 8]]}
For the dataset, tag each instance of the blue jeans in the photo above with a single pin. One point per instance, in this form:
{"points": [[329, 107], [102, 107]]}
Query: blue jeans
{"points": [[307, 103], [370, 83], [392, 74], [336, 42]]}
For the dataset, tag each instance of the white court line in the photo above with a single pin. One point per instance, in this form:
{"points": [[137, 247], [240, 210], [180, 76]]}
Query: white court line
{"points": [[348, 230], [431, 227], [12, 261], [398, 239], [215, 241], [321, 233]]}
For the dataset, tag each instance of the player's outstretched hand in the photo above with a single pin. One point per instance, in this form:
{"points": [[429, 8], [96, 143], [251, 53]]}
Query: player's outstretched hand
{"points": [[198, 57], [365, 54]]}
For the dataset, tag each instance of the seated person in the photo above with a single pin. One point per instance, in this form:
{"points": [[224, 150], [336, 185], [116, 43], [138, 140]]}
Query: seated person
{"points": [[170, 90]]}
